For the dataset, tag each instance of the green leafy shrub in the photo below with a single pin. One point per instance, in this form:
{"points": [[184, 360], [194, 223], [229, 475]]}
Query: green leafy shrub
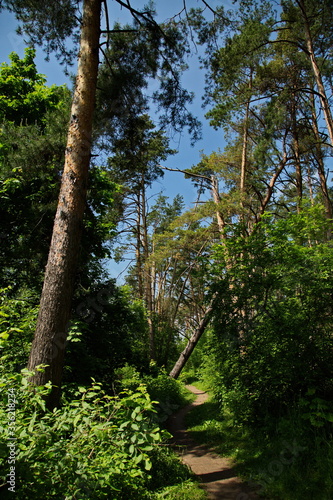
{"points": [[17, 324], [188, 490], [95, 446], [128, 377], [272, 333], [167, 469], [113, 333], [170, 394]]}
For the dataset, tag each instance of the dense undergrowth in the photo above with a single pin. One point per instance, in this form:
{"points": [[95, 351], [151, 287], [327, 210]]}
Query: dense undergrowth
{"points": [[268, 358], [287, 459], [94, 446]]}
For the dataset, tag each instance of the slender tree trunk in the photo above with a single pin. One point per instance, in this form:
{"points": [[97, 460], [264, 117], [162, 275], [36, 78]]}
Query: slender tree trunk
{"points": [[147, 275], [296, 149], [184, 356], [244, 153], [48, 345], [310, 184], [320, 164], [316, 71], [270, 188], [217, 200], [138, 255]]}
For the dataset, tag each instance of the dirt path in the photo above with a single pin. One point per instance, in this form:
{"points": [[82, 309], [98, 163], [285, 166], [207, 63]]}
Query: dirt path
{"points": [[216, 473]]}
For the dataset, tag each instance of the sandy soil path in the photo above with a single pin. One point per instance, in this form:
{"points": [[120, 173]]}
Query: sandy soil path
{"points": [[216, 473]]}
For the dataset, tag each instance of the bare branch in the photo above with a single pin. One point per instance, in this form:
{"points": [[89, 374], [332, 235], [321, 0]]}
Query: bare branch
{"points": [[209, 7], [107, 22], [186, 173]]}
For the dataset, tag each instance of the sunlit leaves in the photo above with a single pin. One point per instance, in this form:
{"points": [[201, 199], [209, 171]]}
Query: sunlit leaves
{"points": [[94, 444], [273, 326], [24, 97]]}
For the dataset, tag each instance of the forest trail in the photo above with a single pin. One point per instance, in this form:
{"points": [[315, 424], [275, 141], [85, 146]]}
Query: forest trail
{"points": [[216, 473]]}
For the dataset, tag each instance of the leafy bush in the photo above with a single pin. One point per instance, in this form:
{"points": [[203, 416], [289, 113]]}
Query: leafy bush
{"points": [[95, 446], [169, 393], [128, 377], [112, 330], [17, 324], [188, 490], [167, 469], [272, 334]]}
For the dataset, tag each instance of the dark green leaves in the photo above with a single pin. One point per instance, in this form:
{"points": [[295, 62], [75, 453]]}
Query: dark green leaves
{"points": [[48, 24]]}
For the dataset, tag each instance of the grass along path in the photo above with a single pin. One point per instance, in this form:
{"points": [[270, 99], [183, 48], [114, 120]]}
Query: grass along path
{"points": [[217, 474]]}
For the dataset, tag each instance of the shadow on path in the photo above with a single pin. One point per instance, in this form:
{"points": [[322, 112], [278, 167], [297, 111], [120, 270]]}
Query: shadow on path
{"points": [[216, 473]]}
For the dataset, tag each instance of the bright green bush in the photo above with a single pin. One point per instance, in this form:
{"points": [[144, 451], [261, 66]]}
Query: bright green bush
{"points": [[272, 338], [95, 446], [167, 469], [170, 394], [188, 490], [17, 324]]}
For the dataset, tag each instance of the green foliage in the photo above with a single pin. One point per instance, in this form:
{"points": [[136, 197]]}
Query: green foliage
{"points": [[136, 154], [24, 97], [167, 469], [137, 54], [95, 446], [169, 393], [233, 69], [17, 323], [32, 145], [112, 330], [29, 184], [48, 24], [276, 457], [274, 326], [188, 490], [32, 142], [128, 377]]}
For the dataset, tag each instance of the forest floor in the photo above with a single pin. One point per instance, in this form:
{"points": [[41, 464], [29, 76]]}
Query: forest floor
{"points": [[217, 474]]}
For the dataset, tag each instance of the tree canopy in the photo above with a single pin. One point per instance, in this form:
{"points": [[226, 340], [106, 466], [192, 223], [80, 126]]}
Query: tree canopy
{"points": [[233, 292]]}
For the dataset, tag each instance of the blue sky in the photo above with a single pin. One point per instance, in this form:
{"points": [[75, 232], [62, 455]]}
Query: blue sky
{"points": [[193, 80]]}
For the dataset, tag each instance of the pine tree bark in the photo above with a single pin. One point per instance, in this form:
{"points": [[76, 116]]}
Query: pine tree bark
{"points": [[48, 347], [217, 200]]}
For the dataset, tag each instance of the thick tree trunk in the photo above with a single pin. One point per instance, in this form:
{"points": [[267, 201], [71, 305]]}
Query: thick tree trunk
{"points": [[48, 346], [184, 356]]}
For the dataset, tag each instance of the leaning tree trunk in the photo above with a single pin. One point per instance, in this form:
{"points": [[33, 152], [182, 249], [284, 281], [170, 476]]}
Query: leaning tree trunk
{"points": [[184, 356], [48, 347]]}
